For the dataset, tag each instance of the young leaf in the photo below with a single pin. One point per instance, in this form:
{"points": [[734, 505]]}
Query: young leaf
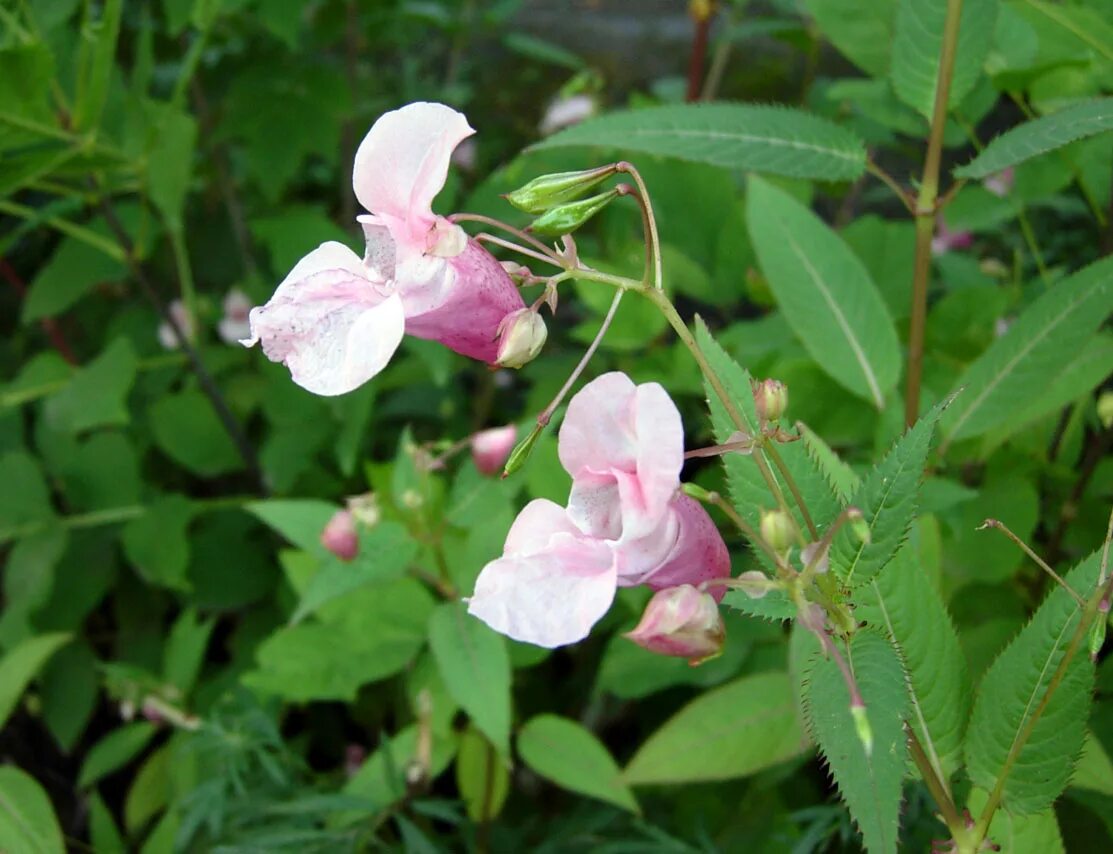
{"points": [[564, 752], [1022, 363], [1013, 697], [20, 664], [862, 30], [476, 669], [1036, 137], [748, 490], [887, 499], [917, 45], [870, 785], [903, 604], [825, 293], [731, 731], [27, 821], [760, 138]]}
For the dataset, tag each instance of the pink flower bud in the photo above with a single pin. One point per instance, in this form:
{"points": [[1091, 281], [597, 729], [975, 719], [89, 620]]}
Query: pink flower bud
{"points": [[521, 336], [681, 621], [340, 536], [491, 448], [1000, 183]]}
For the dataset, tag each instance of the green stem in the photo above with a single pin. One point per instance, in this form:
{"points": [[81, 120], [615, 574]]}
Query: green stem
{"points": [[926, 210], [70, 229], [770, 447], [649, 222], [185, 277], [889, 181], [935, 785]]}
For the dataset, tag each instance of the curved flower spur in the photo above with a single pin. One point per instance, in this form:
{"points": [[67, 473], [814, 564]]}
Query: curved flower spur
{"points": [[336, 319]]}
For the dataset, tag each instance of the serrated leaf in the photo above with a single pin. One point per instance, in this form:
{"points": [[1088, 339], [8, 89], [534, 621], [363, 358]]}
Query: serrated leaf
{"points": [[475, 667], [759, 138], [774, 605], [887, 499], [904, 604], [28, 824], [564, 752], [21, 664], [862, 30], [1041, 343], [870, 785], [729, 732], [1041, 135], [842, 478], [917, 44], [1014, 691], [1027, 834], [825, 293], [749, 492]]}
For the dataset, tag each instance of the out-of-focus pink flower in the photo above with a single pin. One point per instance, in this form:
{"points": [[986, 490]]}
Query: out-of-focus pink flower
{"points": [[166, 336], [626, 522], [946, 240], [565, 112], [340, 536], [491, 448], [1000, 183], [681, 621], [336, 319], [233, 326], [466, 155]]}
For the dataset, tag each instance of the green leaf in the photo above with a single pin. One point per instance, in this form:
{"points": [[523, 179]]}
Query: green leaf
{"points": [[103, 832], [114, 751], [564, 752], [300, 521], [92, 85], [919, 40], [27, 821], [184, 654], [384, 554], [825, 293], [761, 138], [68, 687], [870, 785], [748, 490], [170, 161], [842, 478], [187, 430], [1001, 383], [1021, 834], [774, 605], [475, 668], [1014, 690], [382, 778], [20, 665], [96, 396], [481, 776], [862, 30], [157, 542], [887, 499], [25, 497], [149, 791], [732, 731], [903, 604], [72, 271], [1039, 136]]}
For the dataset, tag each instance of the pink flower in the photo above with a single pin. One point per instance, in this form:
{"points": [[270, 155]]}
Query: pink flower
{"points": [[336, 319], [946, 240], [234, 325], [1000, 183], [564, 112], [340, 536], [491, 448], [165, 332], [626, 522], [681, 621]]}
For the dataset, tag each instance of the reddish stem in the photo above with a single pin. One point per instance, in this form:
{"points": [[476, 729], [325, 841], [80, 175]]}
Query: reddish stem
{"points": [[701, 14]]}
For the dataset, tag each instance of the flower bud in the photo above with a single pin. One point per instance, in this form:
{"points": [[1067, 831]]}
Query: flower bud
{"points": [[858, 524], [566, 218], [365, 509], [491, 448], [522, 451], [815, 556], [770, 399], [778, 530], [340, 536], [547, 191], [1105, 409], [755, 583], [681, 621], [521, 336]]}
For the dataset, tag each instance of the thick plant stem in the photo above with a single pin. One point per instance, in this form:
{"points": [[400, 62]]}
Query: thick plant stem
{"points": [[936, 784], [925, 213]]}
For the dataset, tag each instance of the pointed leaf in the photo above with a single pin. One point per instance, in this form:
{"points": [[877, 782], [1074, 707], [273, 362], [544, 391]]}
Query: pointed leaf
{"points": [[1022, 363], [476, 669], [1024, 834], [759, 138], [572, 757], [115, 750], [862, 30], [732, 731], [887, 499], [919, 40], [903, 604], [481, 776], [20, 665], [1041, 135], [28, 824], [825, 293], [1013, 697], [870, 785]]}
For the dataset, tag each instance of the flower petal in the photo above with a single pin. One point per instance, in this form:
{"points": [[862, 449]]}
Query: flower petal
{"points": [[535, 527], [699, 553], [402, 163], [328, 323], [660, 451], [551, 598], [598, 430]]}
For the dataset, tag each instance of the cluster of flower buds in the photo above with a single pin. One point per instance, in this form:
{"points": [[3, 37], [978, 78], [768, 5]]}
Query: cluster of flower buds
{"points": [[558, 199]]}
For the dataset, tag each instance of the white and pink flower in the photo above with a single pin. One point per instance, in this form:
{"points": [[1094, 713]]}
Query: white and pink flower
{"points": [[490, 449], [626, 523], [336, 319]]}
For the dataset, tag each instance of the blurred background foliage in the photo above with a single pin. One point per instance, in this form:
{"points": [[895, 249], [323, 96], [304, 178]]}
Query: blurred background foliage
{"points": [[186, 668]]}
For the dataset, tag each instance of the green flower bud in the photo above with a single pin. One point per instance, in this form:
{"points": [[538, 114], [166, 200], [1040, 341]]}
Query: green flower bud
{"points": [[521, 451], [564, 219], [547, 191], [778, 530], [858, 524], [770, 399]]}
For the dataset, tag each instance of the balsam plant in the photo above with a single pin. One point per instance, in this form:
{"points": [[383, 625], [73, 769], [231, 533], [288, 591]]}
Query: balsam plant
{"points": [[814, 437]]}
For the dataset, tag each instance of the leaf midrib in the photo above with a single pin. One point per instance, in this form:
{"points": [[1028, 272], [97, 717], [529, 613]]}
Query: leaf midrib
{"points": [[745, 137]]}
